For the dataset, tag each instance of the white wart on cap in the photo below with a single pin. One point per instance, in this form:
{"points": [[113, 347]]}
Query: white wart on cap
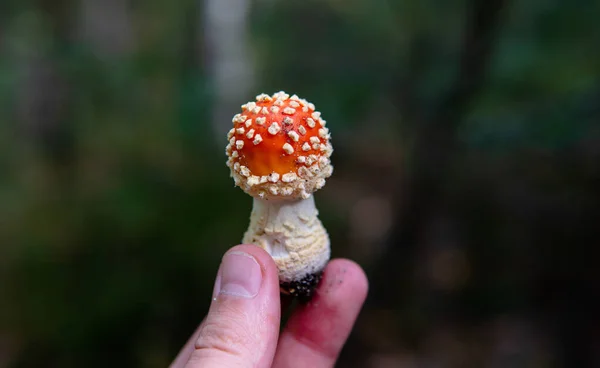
{"points": [[279, 147]]}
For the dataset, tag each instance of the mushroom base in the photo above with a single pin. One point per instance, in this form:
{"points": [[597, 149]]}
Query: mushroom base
{"points": [[290, 231], [303, 289]]}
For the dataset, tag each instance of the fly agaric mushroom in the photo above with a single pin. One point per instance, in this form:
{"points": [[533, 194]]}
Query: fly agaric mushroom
{"points": [[279, 152]]}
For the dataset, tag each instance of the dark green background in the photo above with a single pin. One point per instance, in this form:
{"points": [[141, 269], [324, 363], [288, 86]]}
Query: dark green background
{"points": [[467, 150]]}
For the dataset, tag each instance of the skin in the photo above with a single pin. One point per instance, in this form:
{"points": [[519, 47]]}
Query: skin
{"points": [[244, 332]]}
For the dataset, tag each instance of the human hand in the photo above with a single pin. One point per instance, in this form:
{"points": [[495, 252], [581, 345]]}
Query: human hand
{"points": [[242, 325]]}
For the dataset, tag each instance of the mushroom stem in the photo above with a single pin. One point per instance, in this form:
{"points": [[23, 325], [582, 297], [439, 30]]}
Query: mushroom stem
{"points": [[290, 231]]}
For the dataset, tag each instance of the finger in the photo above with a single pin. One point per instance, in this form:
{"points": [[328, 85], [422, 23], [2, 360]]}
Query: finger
{"points": [[242, 325], [317, 331], [185, 353]]}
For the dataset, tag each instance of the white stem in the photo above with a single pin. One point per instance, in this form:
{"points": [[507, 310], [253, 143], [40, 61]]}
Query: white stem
{"points": [[291, 232]]}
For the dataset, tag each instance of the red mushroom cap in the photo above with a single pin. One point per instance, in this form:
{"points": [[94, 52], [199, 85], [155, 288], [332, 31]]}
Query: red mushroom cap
{"points": [[279, 147]]}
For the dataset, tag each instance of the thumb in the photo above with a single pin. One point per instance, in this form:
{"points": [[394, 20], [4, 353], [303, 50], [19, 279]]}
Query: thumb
{"points": [[242, 325]]}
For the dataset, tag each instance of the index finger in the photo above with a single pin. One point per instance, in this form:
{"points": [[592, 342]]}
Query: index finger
{"points": [[317, 331]]}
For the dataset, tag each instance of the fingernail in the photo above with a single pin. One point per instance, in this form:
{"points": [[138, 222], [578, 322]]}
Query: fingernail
{"points": [[240, 275]]}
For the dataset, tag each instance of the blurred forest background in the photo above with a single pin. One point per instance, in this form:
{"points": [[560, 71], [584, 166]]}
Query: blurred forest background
{"points": [[467, 181]]}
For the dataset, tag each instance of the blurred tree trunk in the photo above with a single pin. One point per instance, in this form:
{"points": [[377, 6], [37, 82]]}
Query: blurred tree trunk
{"points": [[43, 92], [42, 100], [434, 146], [106, 27], [42, 96], [229, 59]]}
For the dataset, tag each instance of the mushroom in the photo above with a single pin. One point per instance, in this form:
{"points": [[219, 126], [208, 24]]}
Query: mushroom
{"points": [[279, 153]]}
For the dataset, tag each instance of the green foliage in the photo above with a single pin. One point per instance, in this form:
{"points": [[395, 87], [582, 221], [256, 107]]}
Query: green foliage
{"points": [[116, 205]]}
